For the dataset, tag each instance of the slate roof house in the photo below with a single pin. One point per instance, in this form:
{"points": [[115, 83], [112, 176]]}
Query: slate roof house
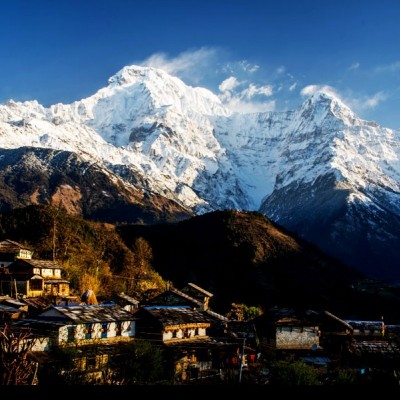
{"points": [[38, 278], [196, 298], [12, 309], [315, 337], [22, 275], [183, 331], [127, 302], [374, 344], [81, 324], [11, 251], [97, 330]]}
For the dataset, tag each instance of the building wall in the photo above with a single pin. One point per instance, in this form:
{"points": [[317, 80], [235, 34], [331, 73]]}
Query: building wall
{"points": [[102, 331], [41, 344], [50, 272], [296, 337], [184, 333], [26, 254]]}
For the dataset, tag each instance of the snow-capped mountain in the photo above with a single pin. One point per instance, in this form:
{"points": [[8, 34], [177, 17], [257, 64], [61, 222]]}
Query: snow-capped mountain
{"points": [[318, 170]]}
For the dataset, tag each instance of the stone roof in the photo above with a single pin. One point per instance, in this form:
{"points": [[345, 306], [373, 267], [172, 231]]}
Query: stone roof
{"points": [[9, 309], [9, 246], [36, 263], [176, 315], [127, 298], [88, 313], [199, 289]]}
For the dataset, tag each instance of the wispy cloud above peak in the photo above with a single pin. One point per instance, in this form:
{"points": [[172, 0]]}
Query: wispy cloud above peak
{"points": [[368, 102], [189, 65], [245, 97], [312, 89]]}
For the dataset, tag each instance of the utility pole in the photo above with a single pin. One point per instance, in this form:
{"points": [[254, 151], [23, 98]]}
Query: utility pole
{"points": [[241, 361]]}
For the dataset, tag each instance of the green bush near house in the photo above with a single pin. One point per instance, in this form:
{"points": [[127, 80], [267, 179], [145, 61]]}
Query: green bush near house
{"points": [[295, 373]]}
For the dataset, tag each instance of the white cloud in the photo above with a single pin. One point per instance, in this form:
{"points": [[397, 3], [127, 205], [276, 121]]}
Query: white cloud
{"points": [[188, 64], [245, 98], [369, 102], [292, 87], [228, 84], [311, 89], [238, 105], [357, 104], [252, 90], [236, 67], [394, 67], [354, 66], [281, 70], [248, 67]]}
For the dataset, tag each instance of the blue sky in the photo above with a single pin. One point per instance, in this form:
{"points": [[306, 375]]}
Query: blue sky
{"points": [[255, 54]]}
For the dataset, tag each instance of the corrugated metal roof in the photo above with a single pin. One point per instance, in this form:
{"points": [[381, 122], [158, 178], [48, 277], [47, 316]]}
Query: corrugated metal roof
{"points": [[177, 315]]}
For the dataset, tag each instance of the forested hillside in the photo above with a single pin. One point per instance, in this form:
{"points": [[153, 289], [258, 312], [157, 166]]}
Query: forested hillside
{"points": [[241, 257]]}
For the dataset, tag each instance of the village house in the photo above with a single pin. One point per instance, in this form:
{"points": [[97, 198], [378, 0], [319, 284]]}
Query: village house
{"points": [[81, 325], [23, 276], [374, 344], [11, 251], [12, 309], [95, 329], [183, 332], [127, 302], [34, 278], [196, 298], [317, 338], [199, 294]]}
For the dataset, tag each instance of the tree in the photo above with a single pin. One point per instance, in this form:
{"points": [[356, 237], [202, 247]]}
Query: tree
{"points": [[242, 312], [293, 374], [16, 366], [140, 363]]}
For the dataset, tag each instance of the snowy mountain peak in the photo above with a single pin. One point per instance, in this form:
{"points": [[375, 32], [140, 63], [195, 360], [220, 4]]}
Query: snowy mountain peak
{"points": [[323, 103], [134, 73], [167, 90]]}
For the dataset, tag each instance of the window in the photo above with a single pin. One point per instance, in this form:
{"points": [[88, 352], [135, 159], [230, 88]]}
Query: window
{"points": [[91, 363], [118, 328], [104, 330], [71, 334], [88, 331], [36, 284]]}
